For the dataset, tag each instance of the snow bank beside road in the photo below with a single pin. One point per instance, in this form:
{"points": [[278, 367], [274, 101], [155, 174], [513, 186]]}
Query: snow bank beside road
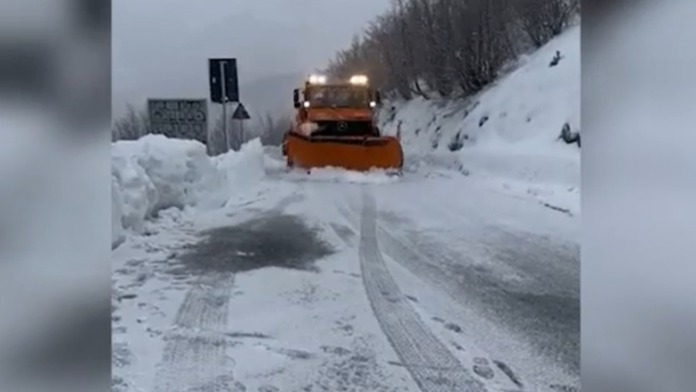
{"points": [[509, 133], [156, 173], [238, 172]]}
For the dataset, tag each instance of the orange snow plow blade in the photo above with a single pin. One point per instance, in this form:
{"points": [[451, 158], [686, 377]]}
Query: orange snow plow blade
{"points": [[351, 153]]}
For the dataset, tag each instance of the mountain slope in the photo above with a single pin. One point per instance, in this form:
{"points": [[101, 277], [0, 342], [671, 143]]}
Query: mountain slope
{"points": [[509, 133]]}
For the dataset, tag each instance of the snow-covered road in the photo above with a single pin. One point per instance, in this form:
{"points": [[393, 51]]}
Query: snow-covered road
{"points": [[432, 282], [462, 275]]}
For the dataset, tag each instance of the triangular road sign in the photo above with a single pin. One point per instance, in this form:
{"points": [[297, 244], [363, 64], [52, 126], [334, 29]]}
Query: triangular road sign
{"points": [[241, 113]]}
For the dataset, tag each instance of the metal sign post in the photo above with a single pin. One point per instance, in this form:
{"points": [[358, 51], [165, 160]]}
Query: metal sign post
{"points": [[228, 144], [224, 88], [241, 114]]}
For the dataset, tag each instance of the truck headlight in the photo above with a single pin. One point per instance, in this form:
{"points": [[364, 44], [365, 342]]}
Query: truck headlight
{"points": [[358, 79]]}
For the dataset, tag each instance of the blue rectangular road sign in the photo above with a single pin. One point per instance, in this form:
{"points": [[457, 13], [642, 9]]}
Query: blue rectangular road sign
{"points": [[224, 82]]}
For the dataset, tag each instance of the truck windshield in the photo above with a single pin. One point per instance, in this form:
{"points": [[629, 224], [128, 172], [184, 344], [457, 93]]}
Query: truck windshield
{"points": [[338, 96]]}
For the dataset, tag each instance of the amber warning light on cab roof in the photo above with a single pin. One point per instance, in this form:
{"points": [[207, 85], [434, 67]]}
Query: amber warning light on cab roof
{"points": [[322, 79], [317, 79]]}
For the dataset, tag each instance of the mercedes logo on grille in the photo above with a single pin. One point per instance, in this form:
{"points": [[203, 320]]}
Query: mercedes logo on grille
{"points": [[342, 126]]}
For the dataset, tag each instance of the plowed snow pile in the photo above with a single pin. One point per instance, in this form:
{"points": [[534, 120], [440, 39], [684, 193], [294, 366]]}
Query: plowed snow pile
{"points": [[156, 173], [509, 134]]}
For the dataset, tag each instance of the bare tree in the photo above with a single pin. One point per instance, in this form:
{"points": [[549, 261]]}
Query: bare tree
{"points": [[544, 19], [132, 126], [449, 47], [272, 130]]}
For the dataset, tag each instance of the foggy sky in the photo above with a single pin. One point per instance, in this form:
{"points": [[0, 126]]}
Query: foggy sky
{"points": [[160, 47]]}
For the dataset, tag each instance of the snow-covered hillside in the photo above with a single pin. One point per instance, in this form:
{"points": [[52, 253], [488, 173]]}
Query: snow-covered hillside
{"points": [[509, 133]]}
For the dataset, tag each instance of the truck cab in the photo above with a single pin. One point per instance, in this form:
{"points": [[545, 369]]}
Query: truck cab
{"points": [[337, 108]]}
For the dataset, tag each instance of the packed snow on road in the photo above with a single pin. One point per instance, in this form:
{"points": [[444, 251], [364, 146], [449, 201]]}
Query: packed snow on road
{"points": [[233, 273]]}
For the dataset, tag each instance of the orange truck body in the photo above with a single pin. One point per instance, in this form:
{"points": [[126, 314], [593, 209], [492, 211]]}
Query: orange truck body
{"points": [[339, 132]]}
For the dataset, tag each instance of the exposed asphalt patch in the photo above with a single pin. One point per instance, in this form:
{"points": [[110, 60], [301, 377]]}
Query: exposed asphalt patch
{"points": [[276, 240], [126, 296], [556, 208], [335, 350], [453, 327], [256, 335], [508, 372]]}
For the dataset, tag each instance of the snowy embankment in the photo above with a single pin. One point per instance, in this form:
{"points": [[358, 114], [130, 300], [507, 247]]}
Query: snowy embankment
{"points": [[508, 135], [155, 173]]}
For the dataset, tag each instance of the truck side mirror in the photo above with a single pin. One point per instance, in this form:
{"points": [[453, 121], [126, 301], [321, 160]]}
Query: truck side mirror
{"points": [[296, 98], [378, 98]]}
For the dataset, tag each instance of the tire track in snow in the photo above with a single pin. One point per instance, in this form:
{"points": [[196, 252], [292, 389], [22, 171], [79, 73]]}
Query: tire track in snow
{"points": [[458, 277], [194, 353], [433, 367]]}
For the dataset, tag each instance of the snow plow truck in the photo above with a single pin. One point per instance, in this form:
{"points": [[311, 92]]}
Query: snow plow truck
{"points": [[334, 126]]}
